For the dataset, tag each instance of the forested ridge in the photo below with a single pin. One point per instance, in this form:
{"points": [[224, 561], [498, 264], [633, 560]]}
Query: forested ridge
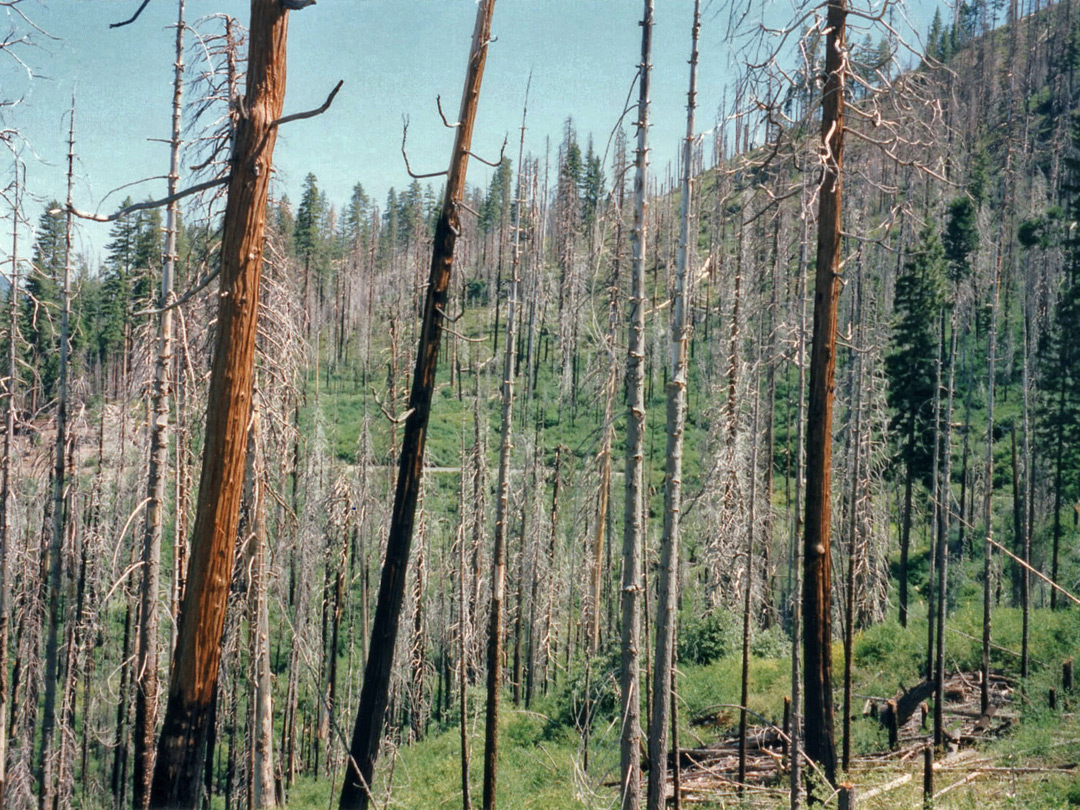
{"points": [[528, 478]]}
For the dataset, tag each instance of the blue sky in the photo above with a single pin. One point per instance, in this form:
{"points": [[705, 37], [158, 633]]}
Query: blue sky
{"points": [[395, 56]]}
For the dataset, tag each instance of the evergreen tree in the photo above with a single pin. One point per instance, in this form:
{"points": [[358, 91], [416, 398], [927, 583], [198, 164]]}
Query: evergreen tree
{"points": [[961, 237], [1059, 406], [284, 223], [912, 365], [592, 186], [308, 237], [911, 368], [496, 207], [40, 327], [357, 220]]}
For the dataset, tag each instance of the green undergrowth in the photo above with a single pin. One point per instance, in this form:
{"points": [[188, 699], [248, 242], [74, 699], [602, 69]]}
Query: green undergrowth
{"points": [[542, 748]]}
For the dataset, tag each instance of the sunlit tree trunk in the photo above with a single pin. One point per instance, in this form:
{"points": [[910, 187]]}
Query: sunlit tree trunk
{"points": [[182, 748]]}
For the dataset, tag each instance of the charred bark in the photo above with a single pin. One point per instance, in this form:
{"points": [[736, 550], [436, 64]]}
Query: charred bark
{"points": [[817, 562], [367, 732]]}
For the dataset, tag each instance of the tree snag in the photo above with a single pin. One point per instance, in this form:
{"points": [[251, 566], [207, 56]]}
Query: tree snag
{"points": [[367, 731], [146, 691], [817, 561], [181, 750], [666, 606], [634, 519]]}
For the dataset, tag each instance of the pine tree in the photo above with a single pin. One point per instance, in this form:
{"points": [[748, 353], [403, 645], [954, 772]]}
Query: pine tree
{"points": [[357, 219], [307, 234], [40, 327], [1059, 409], [592, 186], [912, 368]]}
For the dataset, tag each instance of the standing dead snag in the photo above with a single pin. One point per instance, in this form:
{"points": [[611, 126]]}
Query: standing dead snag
{"points": [[6, 499], [367, 731], [817, 561], [634, 517], [47, 780], [181, 750], [502, 508], [146, 692], [666, 604]]}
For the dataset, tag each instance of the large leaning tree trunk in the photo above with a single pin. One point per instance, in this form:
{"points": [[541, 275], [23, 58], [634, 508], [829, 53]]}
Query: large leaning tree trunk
{"points": [[178, 771], [146, 692], [367, 732], [817, 559], [660, 712], [634, 515]]}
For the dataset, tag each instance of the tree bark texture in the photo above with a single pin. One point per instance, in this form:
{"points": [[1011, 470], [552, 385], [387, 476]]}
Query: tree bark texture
{"points": [[367, 732], [634, 521], [197, 656], [817, 561]]}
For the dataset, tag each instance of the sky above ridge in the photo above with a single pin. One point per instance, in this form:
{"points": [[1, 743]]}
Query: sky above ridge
{"points": [[395, 57]]}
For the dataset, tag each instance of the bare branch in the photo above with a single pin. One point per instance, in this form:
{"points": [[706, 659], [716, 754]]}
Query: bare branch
{"points": [[132, 19], [143, 206], [397, 420], [496, 164], [286, 119], [183, 299], [442, 115], [405, 154]]}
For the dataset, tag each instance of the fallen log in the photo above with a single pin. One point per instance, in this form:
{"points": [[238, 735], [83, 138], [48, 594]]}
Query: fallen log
{"points": [[895, 783], [901, 708]]}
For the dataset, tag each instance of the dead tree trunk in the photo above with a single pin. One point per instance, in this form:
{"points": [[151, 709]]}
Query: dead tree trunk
{"points": [[197, 656], [6, 501], [502, 510], [634, 519], [676, 420], [817, 563], [854, 439], [146, 682], [988, 515], [944, 522], [367, 732], [46, 774], [261, 762]]}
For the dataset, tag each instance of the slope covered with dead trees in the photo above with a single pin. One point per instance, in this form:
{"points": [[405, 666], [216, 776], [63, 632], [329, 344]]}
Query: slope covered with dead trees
{"points": [[815, 369]]}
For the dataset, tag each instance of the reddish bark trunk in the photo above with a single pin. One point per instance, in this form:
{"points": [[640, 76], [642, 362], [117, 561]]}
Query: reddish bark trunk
{"points": [[182, 746]]}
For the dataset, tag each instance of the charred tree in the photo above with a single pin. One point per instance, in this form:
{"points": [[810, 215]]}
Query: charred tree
{"points": [[817, 560], [367, 732]]}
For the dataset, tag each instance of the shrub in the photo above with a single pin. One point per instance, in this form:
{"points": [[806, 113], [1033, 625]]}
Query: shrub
{"points": [[705, 639]]}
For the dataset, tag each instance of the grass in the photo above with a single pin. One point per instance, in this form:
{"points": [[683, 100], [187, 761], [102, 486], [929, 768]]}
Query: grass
{"points": [[541, 751]]}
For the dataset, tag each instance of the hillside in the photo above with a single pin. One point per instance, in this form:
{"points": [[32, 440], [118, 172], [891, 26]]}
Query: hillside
{"points": [[955, 494]]}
